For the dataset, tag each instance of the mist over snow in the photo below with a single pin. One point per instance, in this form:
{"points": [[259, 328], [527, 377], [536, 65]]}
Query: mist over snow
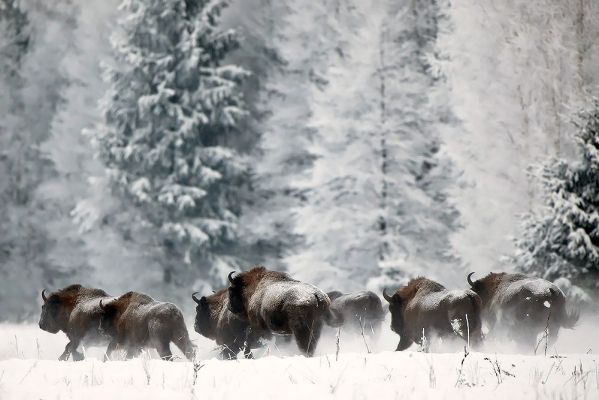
{"points": [[29, 369]]}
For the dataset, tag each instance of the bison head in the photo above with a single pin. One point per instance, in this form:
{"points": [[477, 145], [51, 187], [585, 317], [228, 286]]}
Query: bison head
{"points": [[202, 321], [236, 294], [395, 310], [54, 313], [108, 317], [483, 287]]}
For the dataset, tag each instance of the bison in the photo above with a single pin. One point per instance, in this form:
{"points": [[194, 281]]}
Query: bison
{"points": [[135, 321], [360, 311], [215, 321], [274, 302], [75, 310], [523, 306], [424, 307]]}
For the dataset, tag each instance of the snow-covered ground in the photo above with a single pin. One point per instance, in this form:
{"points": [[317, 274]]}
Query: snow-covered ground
{"points": [[570, 370]]}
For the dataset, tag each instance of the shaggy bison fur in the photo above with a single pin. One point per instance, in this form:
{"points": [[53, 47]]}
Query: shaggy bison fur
{"points": [[274, 302], [424, 307], [523, 307], [361, 312], [215, 321], [76, 311], [135, 321]]}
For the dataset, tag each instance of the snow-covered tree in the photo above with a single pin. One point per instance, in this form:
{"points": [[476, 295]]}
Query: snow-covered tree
{"points": [[172, 107], [562, 238], [295, 49], [374, 189], [420, 217], [337, 219], [516, 69], [32, 45]]}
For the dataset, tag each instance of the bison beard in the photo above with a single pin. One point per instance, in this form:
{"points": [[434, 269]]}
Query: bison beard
{"points": [[274, 302], [135, 321], [215, 321], [523, 306], [424, 306], [75, 310]]}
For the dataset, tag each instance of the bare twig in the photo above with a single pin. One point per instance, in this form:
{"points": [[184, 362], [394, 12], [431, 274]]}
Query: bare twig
{"points": [[496, 369], [146, 369], [28, 371], [458, 381], [432, 379], [363, 336], [336, 385], [197, 366], [468, 332], [545, 336], [17, 346], [337, 344]]}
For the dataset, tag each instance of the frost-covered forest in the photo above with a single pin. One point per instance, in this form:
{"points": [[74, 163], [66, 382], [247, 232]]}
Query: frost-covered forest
{"points": [[156, 145]]}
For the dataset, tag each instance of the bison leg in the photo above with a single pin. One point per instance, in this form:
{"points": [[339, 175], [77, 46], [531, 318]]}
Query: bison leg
{"points": [[247, 352], [132, 352], [184, 344], [229, 352], [110, 349], [307, 335], [76, 355], [164, 350], [66, 353], [71, 350], [404, 342]]}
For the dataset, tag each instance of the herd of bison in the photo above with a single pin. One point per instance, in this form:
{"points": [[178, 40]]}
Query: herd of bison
{"points": [[260, 302]]}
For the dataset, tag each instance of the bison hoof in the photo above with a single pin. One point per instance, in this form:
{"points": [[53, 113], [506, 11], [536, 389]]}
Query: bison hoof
{"points": [[78, 357], [63, 357]]}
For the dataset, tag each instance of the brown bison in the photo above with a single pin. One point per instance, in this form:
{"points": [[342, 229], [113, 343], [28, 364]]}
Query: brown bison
{"points": [[523, 306], [274, 302], [75, 310], [360, 311], [215, 321], [135, 321], [424, 307]]}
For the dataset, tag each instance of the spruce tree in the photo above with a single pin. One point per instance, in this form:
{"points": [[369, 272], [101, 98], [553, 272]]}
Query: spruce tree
{"points": [[562, 239], [171, 110]]}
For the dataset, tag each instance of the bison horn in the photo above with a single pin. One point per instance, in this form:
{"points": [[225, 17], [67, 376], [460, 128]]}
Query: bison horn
{"points": [[102, 306], [469, 279], [386, 296], [230, 276], [44, 295], [193, 296]]}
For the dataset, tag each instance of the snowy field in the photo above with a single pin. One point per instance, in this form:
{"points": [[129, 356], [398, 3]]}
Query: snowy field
{"points": [[570, 370]]}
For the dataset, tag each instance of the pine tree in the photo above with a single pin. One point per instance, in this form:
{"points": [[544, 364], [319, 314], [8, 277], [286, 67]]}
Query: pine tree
{"points": [[375, 182], [417, 217], [562, 239], [31, 83], [296, 49], [337, 217], [172, 107]]}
